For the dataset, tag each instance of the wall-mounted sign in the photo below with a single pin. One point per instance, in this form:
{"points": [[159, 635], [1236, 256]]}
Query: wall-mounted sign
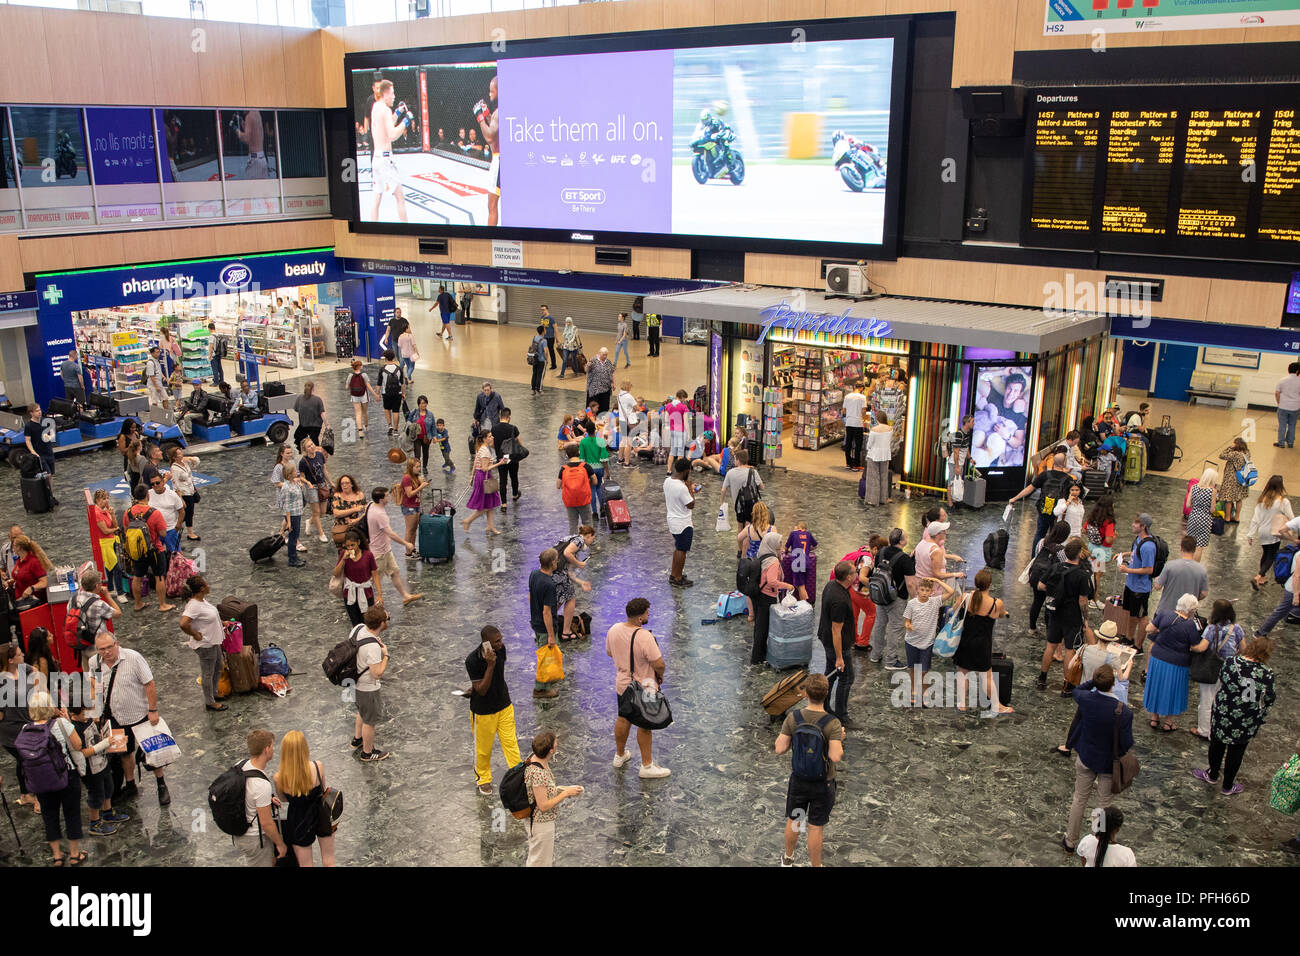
{"points": [[784, 316]]}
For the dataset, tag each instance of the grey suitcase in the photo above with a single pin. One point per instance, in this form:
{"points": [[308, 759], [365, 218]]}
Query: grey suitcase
{"points": [[790, 635], [975, 490]]}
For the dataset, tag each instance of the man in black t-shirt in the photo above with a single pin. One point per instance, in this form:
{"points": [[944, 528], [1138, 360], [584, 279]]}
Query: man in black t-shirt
{"points": [[34, 438], [541, 610], [503, 432], [446, 310], [1054, 485], [835, 631], [887, 633], [1070, 587], [489, 702]]}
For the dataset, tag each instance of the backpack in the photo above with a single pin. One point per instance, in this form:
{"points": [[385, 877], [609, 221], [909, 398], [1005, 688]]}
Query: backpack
{"points": [[809, 760], [1040, 569], [748, 497], [340, 664], [560, 545], [42, 758], [1247, 475], [226, 800], [78, 629], [392, 380], [514, 792], [575, 486], [880, 586], [223, 349], [357, 385], [1049, 500], [749, 576], [273, 660], [700, 401], [137, 534], [1162, 555], [1284, 564]]}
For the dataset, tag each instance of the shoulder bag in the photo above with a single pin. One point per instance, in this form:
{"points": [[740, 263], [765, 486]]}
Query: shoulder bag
{"points": [[640, 707], [331, 808], [949, 636], [1206, 665], [1125, 768]]}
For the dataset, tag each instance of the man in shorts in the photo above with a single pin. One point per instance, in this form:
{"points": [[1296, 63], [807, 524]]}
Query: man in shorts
{"points": [[1138, 579], [126, 692], [485, 111], [678, 412], [152, 563], [381, 534], [1071, 588], [680, 501], [372, 661], [810, 795], [252, 134], [386, 126]]}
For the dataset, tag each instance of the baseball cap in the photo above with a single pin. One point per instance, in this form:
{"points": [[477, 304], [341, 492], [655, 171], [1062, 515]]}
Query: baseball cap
{"points": [[1144, 520], [196, 381], [937, 527]]}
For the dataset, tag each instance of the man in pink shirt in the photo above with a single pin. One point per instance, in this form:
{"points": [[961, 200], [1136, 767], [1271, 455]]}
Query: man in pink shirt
{"points": [[382, 537], [636, 655], [678, 412]]}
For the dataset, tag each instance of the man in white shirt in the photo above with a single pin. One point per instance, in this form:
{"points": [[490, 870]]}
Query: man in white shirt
{"points": [[153, 375], [1075, 463], [854, 403], [372, 661], [627, 423], [680, 500], [128, 696], [1287, 396], [262, 844], [171, 506]]}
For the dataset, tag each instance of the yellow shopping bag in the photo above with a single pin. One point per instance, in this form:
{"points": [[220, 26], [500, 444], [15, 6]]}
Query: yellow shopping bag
{"points": [[550, 664]]}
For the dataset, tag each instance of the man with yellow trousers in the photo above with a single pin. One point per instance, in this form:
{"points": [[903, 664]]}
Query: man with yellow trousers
{"points": [[492, 714]]}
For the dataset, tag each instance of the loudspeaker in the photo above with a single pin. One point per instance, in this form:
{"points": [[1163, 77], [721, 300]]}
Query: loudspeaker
{"points": [[434, 247]]}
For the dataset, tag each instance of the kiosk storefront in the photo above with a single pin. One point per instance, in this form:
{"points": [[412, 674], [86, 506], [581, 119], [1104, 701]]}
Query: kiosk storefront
{"points": [[784, 367], [113, 316]]}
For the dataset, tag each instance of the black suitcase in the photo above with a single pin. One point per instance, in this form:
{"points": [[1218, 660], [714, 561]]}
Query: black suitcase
{"points": [[610, 491], [1163, 448], [1004, 669], [995, 549], [273, 389], [265, 549], [1094, 482], [233, 609], [36, 497]]}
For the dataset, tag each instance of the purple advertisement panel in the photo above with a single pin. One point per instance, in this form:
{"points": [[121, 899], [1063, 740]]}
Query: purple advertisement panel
{"points": [[586, 141], [122, 146]]}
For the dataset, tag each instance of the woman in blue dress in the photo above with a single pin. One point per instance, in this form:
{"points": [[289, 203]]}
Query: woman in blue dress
{"points": [[1176, 638]]}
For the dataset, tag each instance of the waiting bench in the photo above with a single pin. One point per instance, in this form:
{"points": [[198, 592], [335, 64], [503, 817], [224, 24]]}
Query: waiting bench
{"points": [[1213, 389]]}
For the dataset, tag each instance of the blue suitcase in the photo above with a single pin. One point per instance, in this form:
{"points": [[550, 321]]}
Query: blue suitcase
{"points": [[790, 635], [435, 540]]}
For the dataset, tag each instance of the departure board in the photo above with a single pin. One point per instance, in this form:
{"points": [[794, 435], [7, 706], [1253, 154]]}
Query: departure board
{"points": [[1172, 170]]}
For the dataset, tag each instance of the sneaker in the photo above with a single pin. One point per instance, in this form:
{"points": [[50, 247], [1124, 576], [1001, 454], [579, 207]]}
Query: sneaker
{"points": [[786, 860], [676, 582], [895, 665], [484, 789], [301, 546], [114, 816], [322, 538], [687, 582], [1278, 444], [1203, 775], [654, 771], [1041, 682], [164, 796], [375, 756], [100, 828], [297, 564], [1236, 789], [621, 760], [356, 742]]}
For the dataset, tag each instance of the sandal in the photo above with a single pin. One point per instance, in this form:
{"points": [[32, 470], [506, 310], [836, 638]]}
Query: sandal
{"points": [[1168, 728], [58, 861], [217, 707], [79, 859], [1155, 725]]}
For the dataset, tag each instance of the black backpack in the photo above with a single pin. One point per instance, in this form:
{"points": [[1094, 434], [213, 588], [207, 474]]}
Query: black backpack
{"points": [[880, 586], [340, 663], [226, 800], [514, 792], [1162, 555], [392, 380], [808, 748], [995, 549], [748, 497], [749, 576]]}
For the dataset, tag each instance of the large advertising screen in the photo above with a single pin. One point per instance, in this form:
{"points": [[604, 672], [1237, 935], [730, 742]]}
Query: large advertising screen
{"points": [[773, 135], [1002, 411]]}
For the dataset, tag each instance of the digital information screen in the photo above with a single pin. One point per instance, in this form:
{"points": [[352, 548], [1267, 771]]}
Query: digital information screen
{"points": [[686, 138], [1171, 170]]}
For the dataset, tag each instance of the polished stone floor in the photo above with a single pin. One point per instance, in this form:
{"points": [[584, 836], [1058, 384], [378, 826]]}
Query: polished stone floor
{"points": [[930, 788]]}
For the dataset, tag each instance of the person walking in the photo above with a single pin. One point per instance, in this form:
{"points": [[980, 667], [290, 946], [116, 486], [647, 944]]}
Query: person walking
{"points": [[771, 583], [1272, 511], [879, 452], [975, 652], [47, 743], [201, 621], [182, 478], [810, 792], [317, 487], [485, 497], [1246, 692], [446, 311], [547, 328], [680, 501], [1231, 490], [300, 781], [620, 341], [144, 529], [492, 716], [637, 657], [289, 502], [392, 385], [1175, 639], [372, 664], [851, 411], [380, 534], [1290, 601], [1069, 586], [570, 345], [594, 451], [1287, 397], [576, 482], [546, 798], [408, 354], [505, 438], [1101, 719], [348, 505], [129, 698], [537, 358], [600, 380], [360, 391], [1200, 519], [1225, 636], [358, 576], [310, 409]]}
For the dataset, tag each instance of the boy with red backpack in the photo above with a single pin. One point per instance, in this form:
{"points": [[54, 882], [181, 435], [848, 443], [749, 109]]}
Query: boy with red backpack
{"points": [[89, 611], [575, 481], [360, 390], [143, 531]]}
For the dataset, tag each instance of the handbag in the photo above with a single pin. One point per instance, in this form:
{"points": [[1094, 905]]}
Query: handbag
{"points": [[949, 636], [491, 486], [1206, 665], [331, 809], [336, 585], [1074, 667], [1125, 768], [640, 706], [550, 664]]}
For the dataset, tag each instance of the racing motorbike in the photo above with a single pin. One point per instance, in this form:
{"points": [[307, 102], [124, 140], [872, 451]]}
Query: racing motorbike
{"points": [[860, 166], [65, 162], [715, 158]]}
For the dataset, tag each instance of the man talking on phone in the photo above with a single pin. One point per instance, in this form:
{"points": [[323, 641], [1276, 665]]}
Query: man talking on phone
{"points": [[492, 714]]}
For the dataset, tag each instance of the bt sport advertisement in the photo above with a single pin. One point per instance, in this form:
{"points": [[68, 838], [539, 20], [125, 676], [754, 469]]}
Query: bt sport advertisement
{"points": [[761, 140]]}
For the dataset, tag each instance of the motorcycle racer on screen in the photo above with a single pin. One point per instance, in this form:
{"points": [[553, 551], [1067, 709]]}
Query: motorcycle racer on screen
{"points": [[711, 142], [860, 166]]}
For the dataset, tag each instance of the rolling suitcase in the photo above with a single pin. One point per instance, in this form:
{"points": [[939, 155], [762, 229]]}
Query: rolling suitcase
{"points": [[995, 549], [787, 692], [266, 548], [790, 635], [1164, 447], [36, 497], [234, 609], [435, 540], [1004, 669], [617, 515], [1135, 462], [1094, 482], [243, 671], [974, 491]]}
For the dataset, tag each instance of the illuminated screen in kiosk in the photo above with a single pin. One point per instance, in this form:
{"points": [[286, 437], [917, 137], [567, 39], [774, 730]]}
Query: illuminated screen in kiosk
{"points": [[1003, 395], [756, 140]]}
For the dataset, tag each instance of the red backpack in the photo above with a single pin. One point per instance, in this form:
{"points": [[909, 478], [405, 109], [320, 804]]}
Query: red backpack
{"points": [[357, 385], [575, 486], [78, 631]]}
